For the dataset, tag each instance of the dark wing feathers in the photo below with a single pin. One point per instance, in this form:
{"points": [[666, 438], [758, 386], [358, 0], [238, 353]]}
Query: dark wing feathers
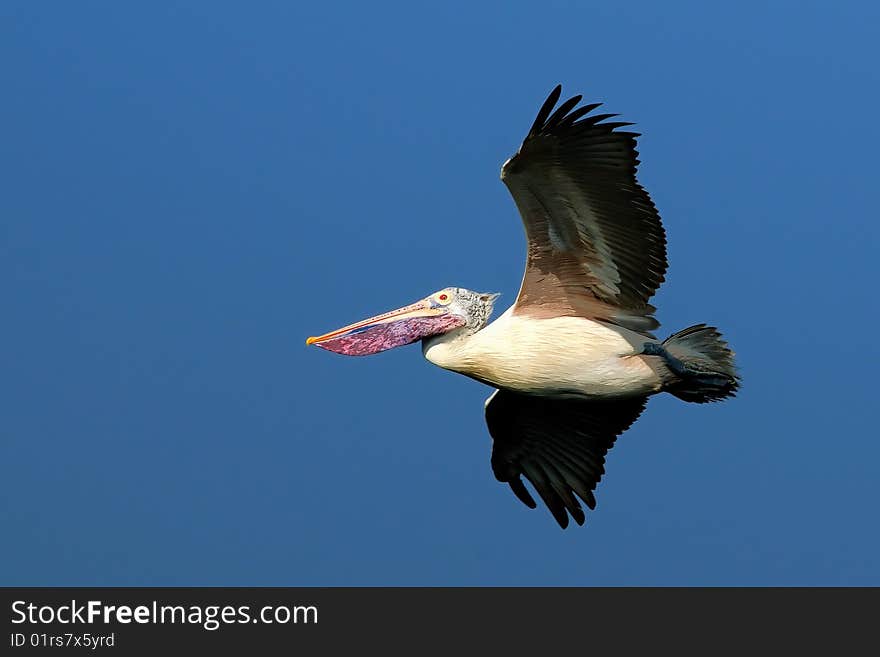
{"points": [[561, 111], [545, 110], [559, 445], [596, 246], [565, 123]]}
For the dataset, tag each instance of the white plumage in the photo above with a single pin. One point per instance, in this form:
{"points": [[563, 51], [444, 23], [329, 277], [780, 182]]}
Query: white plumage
{"points": [[554, 357]]}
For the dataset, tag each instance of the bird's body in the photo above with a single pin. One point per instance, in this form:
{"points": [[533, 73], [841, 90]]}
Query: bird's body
{"points": [[574, 359], [522, 354]]}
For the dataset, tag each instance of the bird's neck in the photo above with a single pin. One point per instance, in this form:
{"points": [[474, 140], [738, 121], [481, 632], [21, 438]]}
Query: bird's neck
{"points": [[449, 350]]}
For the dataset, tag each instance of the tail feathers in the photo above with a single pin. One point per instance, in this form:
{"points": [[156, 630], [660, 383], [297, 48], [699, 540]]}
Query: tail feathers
{"points": [[709, 372]]}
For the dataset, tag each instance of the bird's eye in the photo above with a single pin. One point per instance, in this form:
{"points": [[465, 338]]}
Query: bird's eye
{"points": [[443, 298]]}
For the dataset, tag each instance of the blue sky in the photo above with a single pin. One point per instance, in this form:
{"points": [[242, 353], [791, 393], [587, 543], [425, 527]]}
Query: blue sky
{"points": [[190, 191]]}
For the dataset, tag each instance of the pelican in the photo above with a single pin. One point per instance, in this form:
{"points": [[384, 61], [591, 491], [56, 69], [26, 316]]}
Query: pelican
{"points": [[574, 359]]}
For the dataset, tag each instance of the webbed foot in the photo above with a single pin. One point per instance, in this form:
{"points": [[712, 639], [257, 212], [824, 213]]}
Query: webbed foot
{"points": [[680, 369]]}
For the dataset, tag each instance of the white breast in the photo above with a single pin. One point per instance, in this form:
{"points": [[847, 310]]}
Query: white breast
{"points": [[554, 356]]}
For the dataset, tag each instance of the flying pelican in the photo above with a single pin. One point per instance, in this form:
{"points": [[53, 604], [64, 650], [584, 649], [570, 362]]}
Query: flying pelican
{"points": [[573, 361]]}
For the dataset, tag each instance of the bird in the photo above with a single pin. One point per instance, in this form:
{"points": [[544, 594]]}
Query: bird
{"points": [[574, 360]]}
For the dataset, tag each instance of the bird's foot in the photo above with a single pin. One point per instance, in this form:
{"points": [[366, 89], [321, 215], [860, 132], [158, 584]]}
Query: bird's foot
{"points": [[681, 369], [654, 349], [675, 365]]}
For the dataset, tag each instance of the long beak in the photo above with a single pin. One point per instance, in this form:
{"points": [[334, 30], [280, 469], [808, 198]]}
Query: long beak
{"points": [[388, 330], [420, 309]]}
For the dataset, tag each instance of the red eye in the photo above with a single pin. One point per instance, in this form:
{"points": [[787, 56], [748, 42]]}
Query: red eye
{"points": [[443, 297]]}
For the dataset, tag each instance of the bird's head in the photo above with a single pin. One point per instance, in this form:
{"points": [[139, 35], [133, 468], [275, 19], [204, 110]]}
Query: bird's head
{"points": [[450, 309]]}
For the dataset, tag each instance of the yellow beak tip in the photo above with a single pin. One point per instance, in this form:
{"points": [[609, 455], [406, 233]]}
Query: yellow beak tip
{"points": [[311, 340]]}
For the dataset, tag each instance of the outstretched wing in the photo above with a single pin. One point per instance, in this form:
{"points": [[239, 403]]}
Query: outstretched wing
{"points": [[558, 444], [596, 247]]}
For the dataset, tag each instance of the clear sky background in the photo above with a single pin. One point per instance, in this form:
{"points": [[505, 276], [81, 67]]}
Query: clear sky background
{"points": [[190, 191]]}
